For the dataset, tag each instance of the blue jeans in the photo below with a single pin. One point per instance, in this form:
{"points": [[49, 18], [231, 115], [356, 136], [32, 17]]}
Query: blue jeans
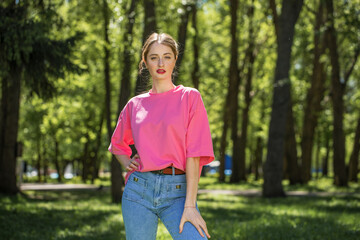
{"points": [[149, 196]]}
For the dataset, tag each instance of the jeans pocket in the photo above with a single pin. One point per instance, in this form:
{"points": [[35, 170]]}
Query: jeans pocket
{"points": [[135, 188], [176, 190]]}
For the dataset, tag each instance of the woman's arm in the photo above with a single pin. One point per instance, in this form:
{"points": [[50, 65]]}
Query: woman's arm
{"points": [[128, 162], [190, 213]]}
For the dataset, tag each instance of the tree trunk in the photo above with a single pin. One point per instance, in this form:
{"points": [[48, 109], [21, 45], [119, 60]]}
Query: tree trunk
{"points": [[337, 93], [258, 157], [317, 156], [233, 91], [248, 86], [281, 98], [182, 32], [10, 105], [195, 74], [223, 140], [85, 157], [95, 161], [314, 97], [259, 142], [116, 185], [325, 165], [272, 5], [354, 158], [231, 97], [293, 169], [56, 161], [125, 83], [142, 80], [46, 165], [39, 157]]}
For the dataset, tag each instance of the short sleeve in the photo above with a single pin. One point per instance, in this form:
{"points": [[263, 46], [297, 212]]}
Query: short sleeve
{"points": [[198, 137], [122, 136]]}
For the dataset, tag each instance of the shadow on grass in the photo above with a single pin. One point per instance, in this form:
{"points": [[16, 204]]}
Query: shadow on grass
{"points": [[67, 216], [282, 218]]}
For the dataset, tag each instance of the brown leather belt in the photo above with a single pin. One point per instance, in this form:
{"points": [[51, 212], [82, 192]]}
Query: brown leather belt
{"points": [[168, 171]]}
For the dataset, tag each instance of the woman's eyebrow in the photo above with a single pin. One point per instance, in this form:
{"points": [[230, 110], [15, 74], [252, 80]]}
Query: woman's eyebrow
{"points": [[157, 54]]}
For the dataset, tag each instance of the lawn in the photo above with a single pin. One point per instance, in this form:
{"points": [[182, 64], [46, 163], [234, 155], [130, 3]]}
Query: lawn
{"points": [[90, 215]]}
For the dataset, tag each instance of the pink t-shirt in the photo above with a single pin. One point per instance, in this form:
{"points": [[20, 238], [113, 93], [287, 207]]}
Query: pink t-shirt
{"points": [[166, 128]]}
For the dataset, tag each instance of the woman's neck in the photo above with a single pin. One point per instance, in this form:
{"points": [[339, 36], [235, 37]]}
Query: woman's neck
{"points": [[160, 87]]}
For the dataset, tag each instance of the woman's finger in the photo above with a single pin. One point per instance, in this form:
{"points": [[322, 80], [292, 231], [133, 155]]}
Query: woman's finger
{"points": [[205, 230], [182, 222], [200, 231]]}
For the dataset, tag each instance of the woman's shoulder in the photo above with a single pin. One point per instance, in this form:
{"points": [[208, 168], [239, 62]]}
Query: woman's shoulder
{"points": [[190, 91]]}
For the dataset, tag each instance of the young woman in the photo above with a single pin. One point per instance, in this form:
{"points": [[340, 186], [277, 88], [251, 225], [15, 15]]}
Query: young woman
{"points": [[171, 133]]}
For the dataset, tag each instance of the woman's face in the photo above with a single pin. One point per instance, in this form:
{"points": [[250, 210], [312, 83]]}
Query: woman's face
{"points": [[160, 61]]}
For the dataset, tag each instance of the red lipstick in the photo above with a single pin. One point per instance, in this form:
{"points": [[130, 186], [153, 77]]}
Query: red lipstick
{"points": [[161, 71]]}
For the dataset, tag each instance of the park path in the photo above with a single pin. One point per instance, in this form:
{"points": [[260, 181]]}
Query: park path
{"points": [[245, 193], [56, 186]]}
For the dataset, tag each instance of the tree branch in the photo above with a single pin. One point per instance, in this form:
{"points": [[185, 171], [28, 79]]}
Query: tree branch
{"points": [[275, 16], [349, 71]]}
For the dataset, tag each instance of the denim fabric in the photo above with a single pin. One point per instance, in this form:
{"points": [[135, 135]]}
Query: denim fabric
{"points": [[148, 197]]}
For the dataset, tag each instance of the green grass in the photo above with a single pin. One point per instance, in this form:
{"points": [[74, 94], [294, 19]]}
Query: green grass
{"points": [[324, 184], [90, 215]]}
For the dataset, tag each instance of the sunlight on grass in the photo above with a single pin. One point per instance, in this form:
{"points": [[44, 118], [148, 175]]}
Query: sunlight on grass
{"points": [[90, 215]]}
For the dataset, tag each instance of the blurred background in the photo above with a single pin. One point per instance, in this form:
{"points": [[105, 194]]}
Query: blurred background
{"points": [[280, 82]]}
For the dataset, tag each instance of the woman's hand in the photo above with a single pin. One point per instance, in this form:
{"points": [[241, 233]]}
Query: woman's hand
{"points": [[132, 164], [191, 215]]}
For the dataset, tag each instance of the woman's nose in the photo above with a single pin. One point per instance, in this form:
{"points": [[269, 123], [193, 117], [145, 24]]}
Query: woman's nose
{"points": [[161, 62]]}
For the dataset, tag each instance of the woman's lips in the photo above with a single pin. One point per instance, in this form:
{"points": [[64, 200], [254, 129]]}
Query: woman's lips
{"points": [[160, 71]]}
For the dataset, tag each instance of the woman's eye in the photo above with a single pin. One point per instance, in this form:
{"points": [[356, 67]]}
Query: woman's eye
{"points": [[168, 57], [153, 58]]}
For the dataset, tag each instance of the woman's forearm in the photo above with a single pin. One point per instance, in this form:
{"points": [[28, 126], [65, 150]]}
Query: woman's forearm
{"points": [[123, 159], [192, 180]]}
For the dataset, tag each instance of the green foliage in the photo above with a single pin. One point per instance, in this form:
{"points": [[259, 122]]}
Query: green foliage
{"points": [[27, 42], [73, 117]]}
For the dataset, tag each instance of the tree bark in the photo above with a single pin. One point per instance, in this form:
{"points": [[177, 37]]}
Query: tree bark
{"points": [[125, 83], [39, 156], [314, 97], [272, 5], [223, 139], [337, 93], [84, 158], [325, 165], [259, 142], [248, 86], [233, 90], [273, 167], [182, 32], [116, 185], [56, 160], [231, 97], [354, 158], [142, 80], [293, 169], [10, 105], [317, 156], [195, 74], [95, 159]]}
